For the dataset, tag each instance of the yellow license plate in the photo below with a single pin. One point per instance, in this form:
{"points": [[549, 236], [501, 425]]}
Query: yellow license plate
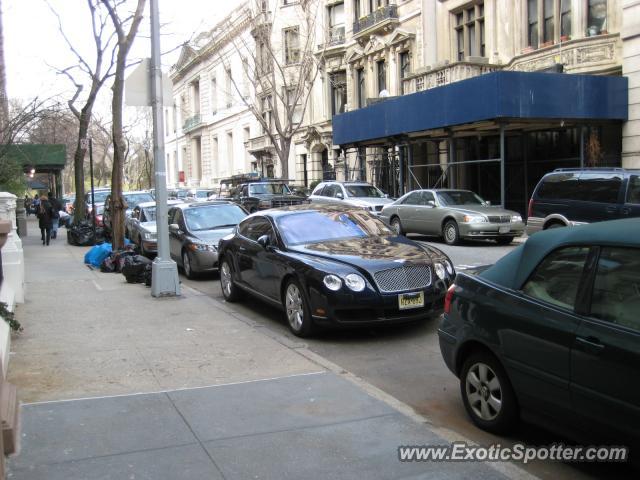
{"points": [[410, 300]]}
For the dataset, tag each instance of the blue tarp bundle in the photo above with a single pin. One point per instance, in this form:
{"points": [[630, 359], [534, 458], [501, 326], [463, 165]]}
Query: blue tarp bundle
{"points": [[97, 254]]}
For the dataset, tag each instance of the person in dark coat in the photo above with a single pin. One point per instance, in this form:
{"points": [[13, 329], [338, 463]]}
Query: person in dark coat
{"points": [[45, 219], [55, 219]]}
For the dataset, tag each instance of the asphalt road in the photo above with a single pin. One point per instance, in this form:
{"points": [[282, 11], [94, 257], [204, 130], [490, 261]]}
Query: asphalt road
{"points": [[406, 363]]}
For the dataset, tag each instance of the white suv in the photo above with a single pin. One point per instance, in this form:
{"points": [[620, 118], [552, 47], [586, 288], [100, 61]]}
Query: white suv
{"points": [[356, 194]]}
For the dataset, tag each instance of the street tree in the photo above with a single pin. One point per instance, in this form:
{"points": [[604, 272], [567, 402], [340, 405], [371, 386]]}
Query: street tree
{"points": [[95, 73], [283, 73], [4, 102], [126, 28]]}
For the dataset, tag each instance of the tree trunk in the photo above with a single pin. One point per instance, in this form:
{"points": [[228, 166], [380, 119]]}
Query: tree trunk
{"points": [[285, 147], [80, 206]]}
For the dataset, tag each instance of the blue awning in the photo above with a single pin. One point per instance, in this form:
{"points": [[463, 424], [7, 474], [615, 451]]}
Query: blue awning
{"points": [[494, 96]]}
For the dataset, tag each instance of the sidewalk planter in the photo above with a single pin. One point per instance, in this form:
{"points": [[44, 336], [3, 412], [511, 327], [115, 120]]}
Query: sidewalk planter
{"points": [[12, 289]]}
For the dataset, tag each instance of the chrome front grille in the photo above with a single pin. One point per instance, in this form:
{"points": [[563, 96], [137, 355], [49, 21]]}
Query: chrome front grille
{"points": [[499, 218], [409, 277], [285, 202]]}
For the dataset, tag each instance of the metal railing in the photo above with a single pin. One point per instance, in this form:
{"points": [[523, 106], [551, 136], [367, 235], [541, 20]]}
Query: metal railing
{"points": [[192, 122], [379, 15]]}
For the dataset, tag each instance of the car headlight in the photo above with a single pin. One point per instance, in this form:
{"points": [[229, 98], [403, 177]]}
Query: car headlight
{"points": [[516, 218], [439, 268], [449, 267], [475, 219], [332, 282], [203, 247], [355, 282], [149, 236]]}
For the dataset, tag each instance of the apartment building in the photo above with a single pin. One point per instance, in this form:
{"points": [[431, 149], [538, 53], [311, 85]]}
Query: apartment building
{"points": [[472, 109], [208, 129]]}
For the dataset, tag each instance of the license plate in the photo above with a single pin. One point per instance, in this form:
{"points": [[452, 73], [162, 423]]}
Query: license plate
{"points": [[504, 229], [410, 300]]}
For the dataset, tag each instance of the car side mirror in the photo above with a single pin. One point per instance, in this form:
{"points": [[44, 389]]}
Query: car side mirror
{"points": [[487, 203], [264, 241], [174, 227], [340, 195], [431, 204]]}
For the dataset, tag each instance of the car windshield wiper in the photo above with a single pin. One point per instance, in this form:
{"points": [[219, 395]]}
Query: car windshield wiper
{"points": [[219, 226]]}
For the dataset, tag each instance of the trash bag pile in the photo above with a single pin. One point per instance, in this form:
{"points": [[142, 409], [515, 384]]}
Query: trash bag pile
{"points": [[97, 254], [114, 262], [81, 234], [137, 269]]}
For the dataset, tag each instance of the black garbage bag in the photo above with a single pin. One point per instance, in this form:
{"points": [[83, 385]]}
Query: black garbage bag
{"points": [[81, 234], [136, 268]]}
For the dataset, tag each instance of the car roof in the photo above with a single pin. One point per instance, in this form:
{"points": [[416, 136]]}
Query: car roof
{"points": [[208, 203], [153, 204], [515, 268]]}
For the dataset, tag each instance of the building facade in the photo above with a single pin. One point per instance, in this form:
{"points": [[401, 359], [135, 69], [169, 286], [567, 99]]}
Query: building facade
{"points": [[210, 124]]}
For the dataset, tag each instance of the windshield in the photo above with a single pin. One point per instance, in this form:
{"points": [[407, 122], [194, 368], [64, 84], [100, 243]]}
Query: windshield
{"points": [[363, 191], [268, 188], [459, 197], [149, 214], [134, 199], [202, 193], [328, 226], [99, 196], [214, 216]]}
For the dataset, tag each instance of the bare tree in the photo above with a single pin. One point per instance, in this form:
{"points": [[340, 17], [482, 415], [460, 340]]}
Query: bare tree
{"points": [[283, 75], [97, 73], [126, 29], [4, 103]]}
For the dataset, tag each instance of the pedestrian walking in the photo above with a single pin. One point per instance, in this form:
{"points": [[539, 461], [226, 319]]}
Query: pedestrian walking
{"points": [[27, 204], [35, 204], [45, 219], [55, 217]]}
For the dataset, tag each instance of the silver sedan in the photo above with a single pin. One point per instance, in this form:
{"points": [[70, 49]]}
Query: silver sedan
{"points": [[453, 215]]}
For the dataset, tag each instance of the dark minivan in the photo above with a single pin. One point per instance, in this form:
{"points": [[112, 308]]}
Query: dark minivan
{"points": [[572, 196]]}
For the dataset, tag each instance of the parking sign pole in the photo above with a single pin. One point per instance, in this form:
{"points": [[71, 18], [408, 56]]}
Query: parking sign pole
{"points": [[164, 273]]}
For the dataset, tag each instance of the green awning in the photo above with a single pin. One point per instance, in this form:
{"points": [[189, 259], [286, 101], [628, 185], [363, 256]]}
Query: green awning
{"points": [[39, 156]]}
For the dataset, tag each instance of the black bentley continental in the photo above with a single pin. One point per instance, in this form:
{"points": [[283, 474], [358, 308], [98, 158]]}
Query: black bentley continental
{"points": [[332, 265]]}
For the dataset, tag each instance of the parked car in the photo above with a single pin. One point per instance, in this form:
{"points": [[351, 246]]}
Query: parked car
{"points": [[452, 214], [140, 226], [254, 196], [332, 265], [198, 195], [99, 196], [67, 203], [551, 334], [132, 198], [354, 194], [573, 196], [178, 193], [194, 232]]}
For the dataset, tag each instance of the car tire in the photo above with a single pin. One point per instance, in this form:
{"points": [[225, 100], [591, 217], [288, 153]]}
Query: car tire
{"points": [[186, 265], [504, 240], [487, 394], [296, 309], [230, 291], [450, 233], [396, 226]]}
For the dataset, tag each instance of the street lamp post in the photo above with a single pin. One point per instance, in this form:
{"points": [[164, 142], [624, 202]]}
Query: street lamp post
{"points": [[164, 273]]}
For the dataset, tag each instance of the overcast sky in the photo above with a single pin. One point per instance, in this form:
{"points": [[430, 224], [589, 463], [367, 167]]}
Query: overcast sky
{"points": [[33, 44]]}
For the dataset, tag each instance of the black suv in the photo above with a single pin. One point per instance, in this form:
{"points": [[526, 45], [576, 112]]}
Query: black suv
{"points": [[572, 196], [254, 196]]}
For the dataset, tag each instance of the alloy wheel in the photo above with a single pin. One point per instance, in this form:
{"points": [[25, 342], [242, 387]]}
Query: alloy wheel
{"points": [[396, 226], [186, 264], [484, 392], [294, 307], [225, 278]]}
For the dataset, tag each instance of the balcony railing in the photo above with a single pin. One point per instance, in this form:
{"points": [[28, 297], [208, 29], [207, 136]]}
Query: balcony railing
{"points": [[447, 74], [382, 14], [262, 142], [192, 122]]}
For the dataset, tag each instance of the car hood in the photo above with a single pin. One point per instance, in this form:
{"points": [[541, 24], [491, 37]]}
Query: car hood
{"points": [[149, 226], [372, 253], [278, 196], [212, 236], [484, 210]]}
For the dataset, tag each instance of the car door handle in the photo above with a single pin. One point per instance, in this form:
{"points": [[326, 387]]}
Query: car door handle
{"points": [[626, 211], [590, 345], [611, 209]]}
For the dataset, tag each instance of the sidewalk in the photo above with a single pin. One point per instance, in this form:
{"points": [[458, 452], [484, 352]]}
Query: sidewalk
{"points": [[117, 384]]}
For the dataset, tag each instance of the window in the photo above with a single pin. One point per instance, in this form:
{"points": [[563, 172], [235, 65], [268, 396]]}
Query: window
{"points": [[381, 68], [360, 87], [291, 45], [616, 291], [264, 59], [596, 17], [214, 152], [336, 31], [214, 95], [633, 191], [228, 87], [230, 147], [600, 187], [469, 31], [338, 85], [427, 197], [412, 199], [557, 278], [265, 109], [405, 68], [254, 228], [245, 78], [175, 118], [293, 105], [356, 10], [549, 14]]}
